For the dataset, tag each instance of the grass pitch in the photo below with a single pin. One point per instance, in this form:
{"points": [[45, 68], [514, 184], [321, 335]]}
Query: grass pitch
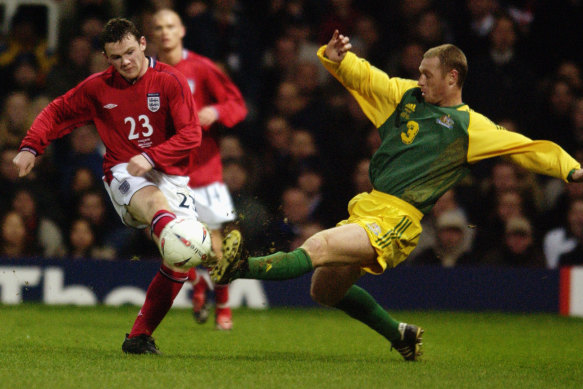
{"points": [[79, 347]]}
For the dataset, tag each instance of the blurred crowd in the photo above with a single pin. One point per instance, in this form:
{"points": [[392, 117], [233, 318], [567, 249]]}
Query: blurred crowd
{"points": [[305, 147]]}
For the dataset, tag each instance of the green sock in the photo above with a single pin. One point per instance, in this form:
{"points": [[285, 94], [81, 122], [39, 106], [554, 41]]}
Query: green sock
{"points": [[278, 266], [360, 305]]}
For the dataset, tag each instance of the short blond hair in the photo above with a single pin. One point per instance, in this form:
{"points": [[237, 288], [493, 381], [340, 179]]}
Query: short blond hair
{"points": [[450, 57]]}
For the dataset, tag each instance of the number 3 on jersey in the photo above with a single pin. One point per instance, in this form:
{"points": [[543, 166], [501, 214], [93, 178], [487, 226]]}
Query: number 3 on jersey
{"points": [[412, 130], [145, 124]]}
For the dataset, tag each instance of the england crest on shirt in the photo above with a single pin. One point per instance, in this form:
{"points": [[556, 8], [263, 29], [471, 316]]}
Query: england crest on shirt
{"points": [[153, 101]]}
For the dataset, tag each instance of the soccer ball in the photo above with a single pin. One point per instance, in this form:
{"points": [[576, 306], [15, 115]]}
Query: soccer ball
{"points": [[185, 243]]}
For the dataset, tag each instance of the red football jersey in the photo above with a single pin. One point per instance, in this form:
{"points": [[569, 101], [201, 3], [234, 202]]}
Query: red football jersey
{"points": [[155, 116], [210, 86]]}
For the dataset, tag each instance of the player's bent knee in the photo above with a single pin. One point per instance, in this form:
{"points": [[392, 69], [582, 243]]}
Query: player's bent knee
{"points": [[317, 248]]}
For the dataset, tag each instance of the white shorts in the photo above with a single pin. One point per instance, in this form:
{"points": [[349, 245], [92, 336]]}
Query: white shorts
{"points": [[214, 205], [123, 186]]}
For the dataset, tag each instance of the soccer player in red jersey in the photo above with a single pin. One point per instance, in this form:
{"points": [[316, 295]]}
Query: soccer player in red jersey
{"points": [[146, 117], [218, 100]]}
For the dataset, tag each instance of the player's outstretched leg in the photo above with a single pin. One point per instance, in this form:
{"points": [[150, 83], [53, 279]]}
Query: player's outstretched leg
{"points": [[409, 345], [278, 266], [230, 264]]}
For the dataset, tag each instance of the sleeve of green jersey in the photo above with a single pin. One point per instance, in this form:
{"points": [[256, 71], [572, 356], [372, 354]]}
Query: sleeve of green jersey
{"points": [[487, 140], [377, 94]]}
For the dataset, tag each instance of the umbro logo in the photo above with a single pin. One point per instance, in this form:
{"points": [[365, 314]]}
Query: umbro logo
{"points": [[110, 106]]}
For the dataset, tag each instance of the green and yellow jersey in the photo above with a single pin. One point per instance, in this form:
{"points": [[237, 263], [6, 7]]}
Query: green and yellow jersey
{"points": [[426, 149]]}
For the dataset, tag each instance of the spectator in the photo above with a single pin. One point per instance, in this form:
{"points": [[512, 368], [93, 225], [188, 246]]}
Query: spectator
{"points": [[573, 257], [71, 69], [504, 63], [556, 215], [81, 240], [283, 170], [109, 232], [577, 123], [340, 15], [81, 148], [505, 176], [278, 65], [342, 140], [431, 29], [324, 202], [295, 211], [473, 25], [367, 40], [406, 63], [25, 47], [301, 32], [555, 113], [518, 248], [41, 232], [300, 110], [490, 229], [571, 72], [231, 148], [450, 248], [25, 75], [223, 32], [8, 175], [14, 119], [253, 217], [402, 21], [275, 159], [564, 239], [448, 202], [305, 76], [13, 242], [83, 180]]}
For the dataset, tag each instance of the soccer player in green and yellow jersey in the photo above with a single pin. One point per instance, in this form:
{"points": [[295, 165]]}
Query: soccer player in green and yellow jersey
{"points": [[429, 139]]}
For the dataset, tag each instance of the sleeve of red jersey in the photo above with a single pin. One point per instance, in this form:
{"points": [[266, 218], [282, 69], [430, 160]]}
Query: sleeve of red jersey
{"points": [[229, 101], [57, 119], [188, 132]]}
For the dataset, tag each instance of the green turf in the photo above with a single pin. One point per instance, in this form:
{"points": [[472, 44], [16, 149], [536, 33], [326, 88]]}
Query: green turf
{"points": [[73, 347]]}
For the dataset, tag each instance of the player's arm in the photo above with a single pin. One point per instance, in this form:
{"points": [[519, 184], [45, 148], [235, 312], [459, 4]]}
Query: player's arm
{"points": [[188, 131], [229, 108], [377, 94], [56, 120], [487, 140]]}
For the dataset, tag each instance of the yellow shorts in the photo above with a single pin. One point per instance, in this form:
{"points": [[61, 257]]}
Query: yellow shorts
{"points": [[393, 226]]}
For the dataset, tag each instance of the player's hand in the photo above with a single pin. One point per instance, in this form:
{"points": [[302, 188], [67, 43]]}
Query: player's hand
{"points": [[207, 116], [577, 175], [24, 162], [337, 47], [139, 165]]}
